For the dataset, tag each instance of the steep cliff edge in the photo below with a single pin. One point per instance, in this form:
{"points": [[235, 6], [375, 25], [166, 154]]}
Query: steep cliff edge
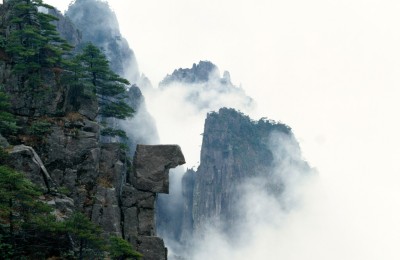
{"points": [[237, 150]]}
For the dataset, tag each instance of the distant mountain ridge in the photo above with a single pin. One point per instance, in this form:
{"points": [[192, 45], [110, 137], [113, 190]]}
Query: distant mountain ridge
{"points": [[202, 72]]}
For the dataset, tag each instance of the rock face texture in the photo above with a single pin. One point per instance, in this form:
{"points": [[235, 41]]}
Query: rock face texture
{"points": [[152, 164], [58, 148], [66, 28], [150, 176], [236, 149], [25, 159], [118, 197]]}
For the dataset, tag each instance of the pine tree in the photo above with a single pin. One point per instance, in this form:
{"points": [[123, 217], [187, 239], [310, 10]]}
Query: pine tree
{"points": [[109, 88], [7, 120], [33, 42], [92, 76], [120, 249], [86, 235], [22, 215]]}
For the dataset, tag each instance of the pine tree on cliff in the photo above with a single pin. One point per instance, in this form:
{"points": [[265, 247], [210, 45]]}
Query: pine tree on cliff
{"points": [[32, 42], [27, 225], [7, 120], [95, 74]]}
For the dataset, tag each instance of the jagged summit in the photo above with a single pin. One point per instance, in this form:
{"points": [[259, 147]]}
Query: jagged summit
{"points": [[204, 88], [202, 72]]}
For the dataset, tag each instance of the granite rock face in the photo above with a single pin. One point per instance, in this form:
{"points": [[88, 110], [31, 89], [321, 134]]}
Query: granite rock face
{"points": [[66, 28], [25, 159], [152, 164], [150, 176], [104, 186], [236, 149]]}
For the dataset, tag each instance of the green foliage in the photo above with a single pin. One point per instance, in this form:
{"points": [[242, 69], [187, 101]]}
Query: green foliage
{"points": [[40, 128], [95, 74], [6, 249], [7, 120], [120, 249], [87, 236], [123, 146], [64, 190], [29, 230], [22, 216], [108, 131], [91, 243], [90, 76], [33, 42], [118, 109], [3, 156]]}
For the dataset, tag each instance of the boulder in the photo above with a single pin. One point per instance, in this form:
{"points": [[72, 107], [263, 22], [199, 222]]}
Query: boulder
{"points": [[151, 166]]}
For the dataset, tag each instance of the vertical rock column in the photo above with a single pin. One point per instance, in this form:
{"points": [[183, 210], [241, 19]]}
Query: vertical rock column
{"points": [[151, 165]]}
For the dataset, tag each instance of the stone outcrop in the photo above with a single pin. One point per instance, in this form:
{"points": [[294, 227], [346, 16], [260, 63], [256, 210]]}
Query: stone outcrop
{"points": [[149, 177], [152, 164], [25, 159]]}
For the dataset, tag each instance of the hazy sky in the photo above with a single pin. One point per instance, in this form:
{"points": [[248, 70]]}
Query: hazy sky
{"points": [[328, 68]]}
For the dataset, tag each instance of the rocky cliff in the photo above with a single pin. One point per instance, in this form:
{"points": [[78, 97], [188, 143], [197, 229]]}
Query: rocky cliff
{"points": [[98, 24], [96, 178], [57, 146], [236, 150]]}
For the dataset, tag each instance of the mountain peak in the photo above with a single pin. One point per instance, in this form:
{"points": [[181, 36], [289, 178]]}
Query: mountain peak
{"points": [[199, 73]]}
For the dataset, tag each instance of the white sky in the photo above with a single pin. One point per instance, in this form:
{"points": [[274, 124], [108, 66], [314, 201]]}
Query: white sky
{"points": [[330, 69]]}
